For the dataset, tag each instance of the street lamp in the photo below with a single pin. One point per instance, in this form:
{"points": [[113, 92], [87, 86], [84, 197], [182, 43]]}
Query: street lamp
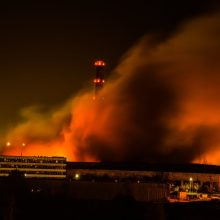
{"points": [[77, 176], [190, 183]]}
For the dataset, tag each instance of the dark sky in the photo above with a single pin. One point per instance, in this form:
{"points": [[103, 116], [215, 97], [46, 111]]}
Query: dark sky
{"points": [[48, 47]]}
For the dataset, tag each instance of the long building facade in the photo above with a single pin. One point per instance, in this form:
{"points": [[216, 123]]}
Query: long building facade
{"points": [[34, 167], [183, 175], [106, 181]]}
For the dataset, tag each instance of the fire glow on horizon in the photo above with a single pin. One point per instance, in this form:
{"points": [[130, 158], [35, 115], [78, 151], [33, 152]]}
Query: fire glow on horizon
{"points": [[162, 106]]}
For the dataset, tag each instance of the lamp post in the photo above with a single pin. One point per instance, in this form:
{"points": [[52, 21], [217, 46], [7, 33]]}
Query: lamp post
{"points": [[190, 184]]}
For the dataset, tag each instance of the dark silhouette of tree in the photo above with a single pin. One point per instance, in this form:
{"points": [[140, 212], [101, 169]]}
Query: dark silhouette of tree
{"points": [[17, 184], [16, 193]]}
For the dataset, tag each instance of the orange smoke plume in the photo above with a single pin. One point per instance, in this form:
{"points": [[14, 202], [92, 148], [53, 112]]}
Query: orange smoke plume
{"points": [[161, 105]]}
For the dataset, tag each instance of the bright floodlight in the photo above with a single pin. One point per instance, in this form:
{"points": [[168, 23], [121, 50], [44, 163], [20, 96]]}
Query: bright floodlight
{"points": [[77, 176]]}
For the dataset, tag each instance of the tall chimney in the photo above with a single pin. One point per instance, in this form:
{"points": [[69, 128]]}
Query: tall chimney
{"points": [[99, 77]]}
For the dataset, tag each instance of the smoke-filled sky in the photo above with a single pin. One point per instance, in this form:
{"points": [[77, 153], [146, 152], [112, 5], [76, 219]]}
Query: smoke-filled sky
{"points": [[161, 101]]}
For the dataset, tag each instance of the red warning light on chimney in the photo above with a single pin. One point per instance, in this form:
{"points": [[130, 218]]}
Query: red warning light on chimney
{"points": [[99, 63]]}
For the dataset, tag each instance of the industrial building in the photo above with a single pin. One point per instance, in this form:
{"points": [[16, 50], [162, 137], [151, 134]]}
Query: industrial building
{"points": [[59, 167], [184, 176], [34, 167], [104, 181]]}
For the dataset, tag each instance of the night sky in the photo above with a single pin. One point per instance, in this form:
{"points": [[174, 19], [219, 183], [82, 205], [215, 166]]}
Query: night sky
{"points": [[48, 47]]}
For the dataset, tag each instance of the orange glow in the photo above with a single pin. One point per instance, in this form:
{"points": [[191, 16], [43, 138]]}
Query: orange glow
{"points": [[163, 103]]}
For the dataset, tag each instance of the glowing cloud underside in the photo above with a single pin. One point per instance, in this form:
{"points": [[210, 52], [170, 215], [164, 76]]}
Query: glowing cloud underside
{"points": [[161, 105]]}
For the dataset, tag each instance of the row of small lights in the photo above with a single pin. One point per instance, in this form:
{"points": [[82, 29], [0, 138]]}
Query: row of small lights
{"points": [[77, 177], [8, 144], [98, 80]]}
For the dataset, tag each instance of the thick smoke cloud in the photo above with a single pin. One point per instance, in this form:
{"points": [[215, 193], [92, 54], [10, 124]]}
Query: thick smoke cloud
{"points": [[161, 105]]}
